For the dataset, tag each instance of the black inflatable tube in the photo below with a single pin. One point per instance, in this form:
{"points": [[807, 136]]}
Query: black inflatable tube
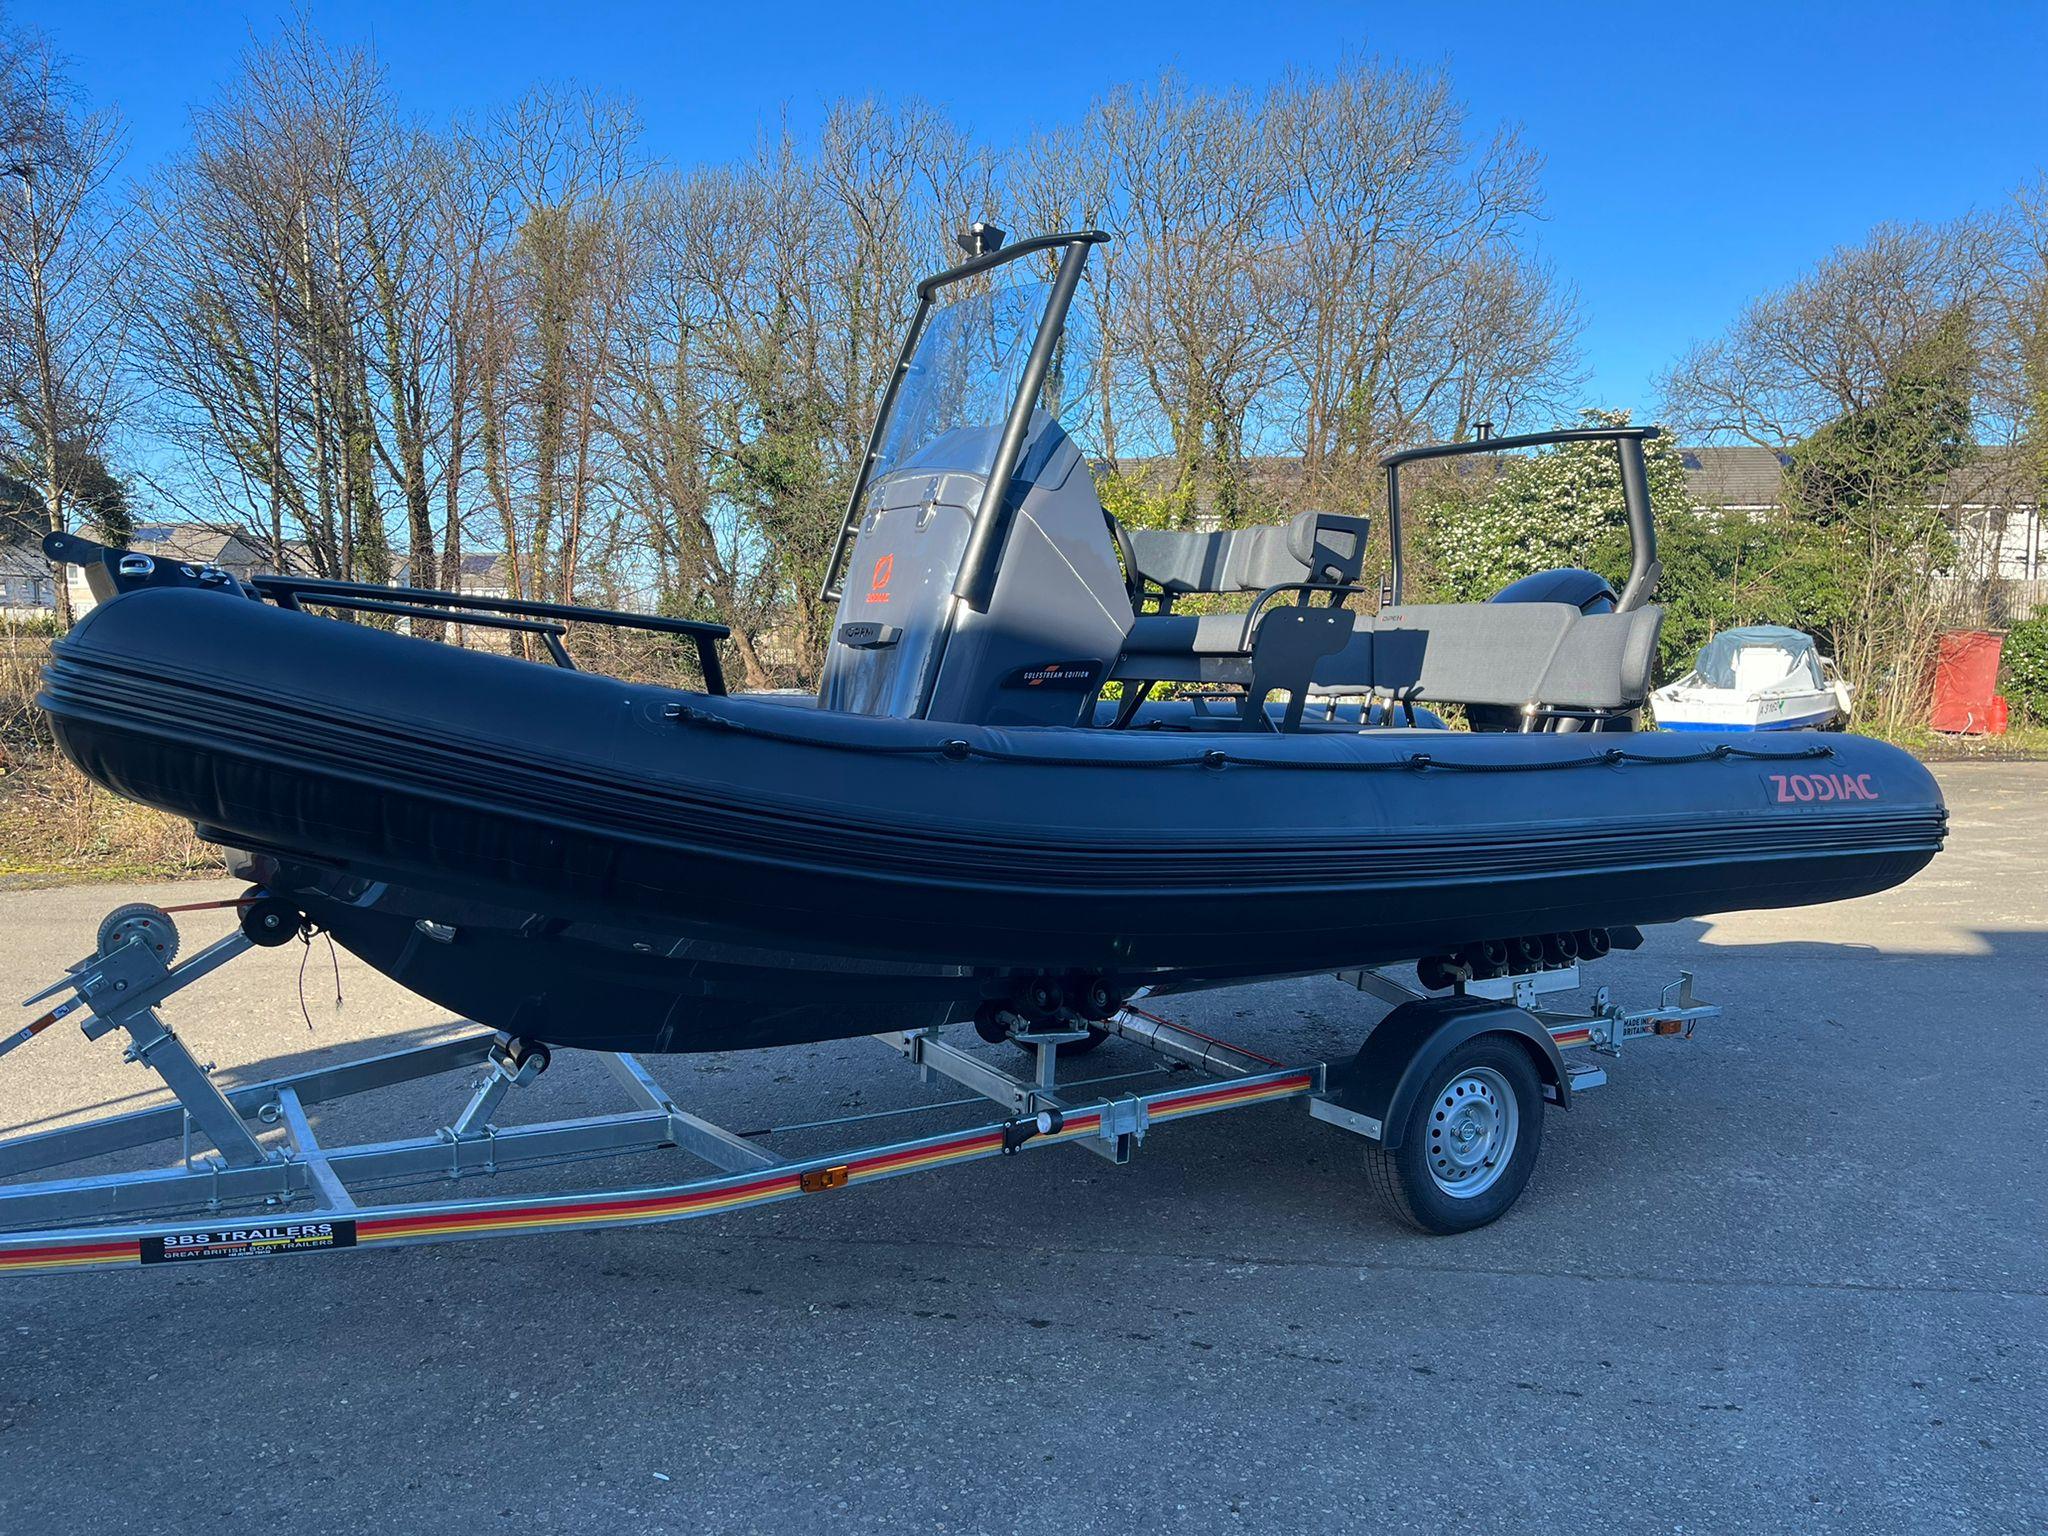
{"points": [[349, 754]]}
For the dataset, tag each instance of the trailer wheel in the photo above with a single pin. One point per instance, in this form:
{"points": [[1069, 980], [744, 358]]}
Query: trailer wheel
{"points": [[1470, 1142]]}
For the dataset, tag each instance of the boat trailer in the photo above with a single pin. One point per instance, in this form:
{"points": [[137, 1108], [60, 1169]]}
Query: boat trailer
{"points": [[1446, 1094]]}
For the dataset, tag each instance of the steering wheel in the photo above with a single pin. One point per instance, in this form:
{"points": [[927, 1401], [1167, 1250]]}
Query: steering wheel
{"points": [[1134, 584]]}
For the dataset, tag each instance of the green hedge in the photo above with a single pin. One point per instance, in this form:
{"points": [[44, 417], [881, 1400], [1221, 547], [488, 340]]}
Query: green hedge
{"points": [[2024, 680]]}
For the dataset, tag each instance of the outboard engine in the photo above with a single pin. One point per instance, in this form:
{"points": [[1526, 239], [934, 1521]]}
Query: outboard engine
{"points": [[1587, 591]]}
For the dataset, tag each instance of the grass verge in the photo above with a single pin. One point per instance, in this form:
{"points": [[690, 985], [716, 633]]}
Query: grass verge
{"points": [[58, 827], [2020, 744]]}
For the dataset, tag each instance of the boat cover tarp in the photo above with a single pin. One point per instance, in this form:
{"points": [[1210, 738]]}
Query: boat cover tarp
{"points": [[1721, 656]]}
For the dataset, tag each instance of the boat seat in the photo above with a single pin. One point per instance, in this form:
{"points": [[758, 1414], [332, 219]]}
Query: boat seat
{"points": [[1187, 634], [1315, 549], [1322, 547], [1508, 654]]}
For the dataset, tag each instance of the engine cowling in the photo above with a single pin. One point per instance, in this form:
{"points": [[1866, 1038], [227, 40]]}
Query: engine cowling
{"points": [[1587, 591]]}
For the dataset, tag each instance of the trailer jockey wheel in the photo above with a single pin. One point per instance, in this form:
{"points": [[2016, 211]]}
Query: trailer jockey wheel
{"points": [[1470, 1141]]}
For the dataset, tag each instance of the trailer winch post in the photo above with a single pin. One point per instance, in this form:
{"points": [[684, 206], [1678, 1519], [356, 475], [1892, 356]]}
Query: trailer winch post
{"points": [[121, 989]]}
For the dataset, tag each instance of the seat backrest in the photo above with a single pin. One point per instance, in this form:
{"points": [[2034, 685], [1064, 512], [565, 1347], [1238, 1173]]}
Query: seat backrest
{"points": [[1315, 546], [1507, 654], [1473, 653], [1606, 660]]}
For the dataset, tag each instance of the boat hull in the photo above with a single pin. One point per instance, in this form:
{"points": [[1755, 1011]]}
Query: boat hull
{"points": [[1700, 710], [1818, 721], [621, 865]]}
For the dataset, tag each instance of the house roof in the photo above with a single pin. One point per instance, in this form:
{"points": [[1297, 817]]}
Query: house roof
{"points": [[1746, 476], [22, 560], [491, 565], [486, 568], [195, 543], [1740, 476]]}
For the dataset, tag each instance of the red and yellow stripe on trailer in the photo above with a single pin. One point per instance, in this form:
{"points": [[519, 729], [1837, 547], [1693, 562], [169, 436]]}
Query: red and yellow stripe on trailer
{"points": [[472, 1219], [86, 1253], [1197, 1101]]}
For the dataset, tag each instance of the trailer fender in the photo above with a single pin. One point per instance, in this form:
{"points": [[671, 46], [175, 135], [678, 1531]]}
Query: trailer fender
{"points": [[1381, 1082]]}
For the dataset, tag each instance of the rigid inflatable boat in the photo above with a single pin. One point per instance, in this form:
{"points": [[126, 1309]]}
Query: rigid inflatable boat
{"points": [[969, 820]]}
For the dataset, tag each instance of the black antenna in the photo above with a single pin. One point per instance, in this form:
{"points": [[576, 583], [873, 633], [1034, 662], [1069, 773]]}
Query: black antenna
{"points": [[981, 238]]}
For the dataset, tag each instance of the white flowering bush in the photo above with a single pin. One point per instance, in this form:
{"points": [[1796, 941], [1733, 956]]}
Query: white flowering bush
{"points": [[1560, 507]]}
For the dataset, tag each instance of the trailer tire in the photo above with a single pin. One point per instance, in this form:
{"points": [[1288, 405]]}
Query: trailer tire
{"points": [[1470, 1143]]}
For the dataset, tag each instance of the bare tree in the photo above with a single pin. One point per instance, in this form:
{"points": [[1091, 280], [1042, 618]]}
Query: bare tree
{"points": [[1315, 274], [1194, 191], [2021, 356], [259, 292], [366, 334], [62, 245], [1800, 357], [571, 169], [676, 384], [1410, 304]]}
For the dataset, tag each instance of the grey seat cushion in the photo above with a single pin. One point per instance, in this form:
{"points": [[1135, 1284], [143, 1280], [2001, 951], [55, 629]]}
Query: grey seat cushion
{"points": [[1186, 634], [1474, 653], [1606, 661], [1250, 559]]}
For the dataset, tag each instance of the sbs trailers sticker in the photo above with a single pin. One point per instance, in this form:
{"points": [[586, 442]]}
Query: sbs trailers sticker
{"points": [[253, 1240]]}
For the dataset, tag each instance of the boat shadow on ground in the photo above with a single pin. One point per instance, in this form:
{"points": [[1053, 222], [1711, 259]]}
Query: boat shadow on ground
{"points": [[1690, 945]]}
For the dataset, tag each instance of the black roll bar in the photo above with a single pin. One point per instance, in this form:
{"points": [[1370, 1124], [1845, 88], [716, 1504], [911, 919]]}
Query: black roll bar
{"points": [[1644, 567], [1008, 253], [1074, 243]]}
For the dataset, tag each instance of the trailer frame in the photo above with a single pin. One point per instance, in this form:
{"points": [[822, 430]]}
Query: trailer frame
{"points": [[253, 1180]]}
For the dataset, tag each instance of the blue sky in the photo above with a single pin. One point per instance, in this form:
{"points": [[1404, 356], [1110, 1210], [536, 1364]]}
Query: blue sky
{"points": [[1693, 160]]}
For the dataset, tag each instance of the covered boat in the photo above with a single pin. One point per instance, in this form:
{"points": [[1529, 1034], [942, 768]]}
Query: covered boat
{"points": [[1761, 678], [984, 812]]}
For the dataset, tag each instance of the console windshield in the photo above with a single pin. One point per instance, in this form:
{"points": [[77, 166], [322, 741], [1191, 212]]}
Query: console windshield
{"points": [[961, 381]]}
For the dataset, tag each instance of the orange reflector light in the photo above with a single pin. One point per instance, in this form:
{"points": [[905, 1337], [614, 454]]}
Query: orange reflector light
{"points": [[819, 1180], [1667, 1026]]}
